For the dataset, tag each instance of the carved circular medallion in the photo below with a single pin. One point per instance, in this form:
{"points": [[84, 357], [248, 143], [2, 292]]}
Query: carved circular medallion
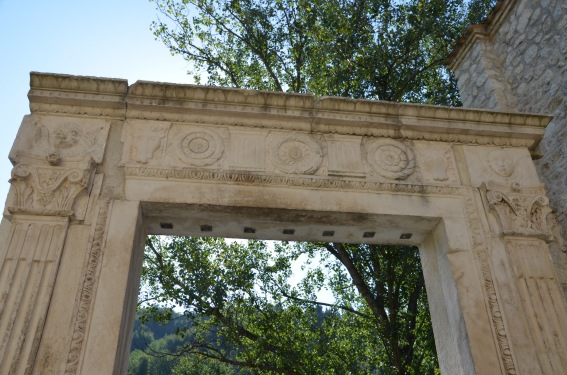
{"points": [[296, 153], [391, 159], [201, 148]]}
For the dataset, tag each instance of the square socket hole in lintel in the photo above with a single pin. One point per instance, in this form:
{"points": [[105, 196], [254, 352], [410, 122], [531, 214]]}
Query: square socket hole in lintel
{"points": [[288, 231], [328, 233], [368, 234], [206, 228], [166, 225]]}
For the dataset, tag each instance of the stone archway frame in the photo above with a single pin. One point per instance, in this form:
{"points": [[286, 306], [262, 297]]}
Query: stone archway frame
{"points": [[99, 164]]}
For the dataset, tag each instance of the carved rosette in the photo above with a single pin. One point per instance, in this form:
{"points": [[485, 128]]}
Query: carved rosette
{"points": [[521, 214], [46, 190], [295, 153], [389, 158], [201, 148]]}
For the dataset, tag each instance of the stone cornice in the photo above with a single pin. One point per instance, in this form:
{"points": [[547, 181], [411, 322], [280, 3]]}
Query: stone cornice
{"points": [[274, 110], [77, 95], [482, 31]]}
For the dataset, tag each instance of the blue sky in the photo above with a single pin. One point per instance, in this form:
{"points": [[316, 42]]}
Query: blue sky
{"points": [[102, 38]]}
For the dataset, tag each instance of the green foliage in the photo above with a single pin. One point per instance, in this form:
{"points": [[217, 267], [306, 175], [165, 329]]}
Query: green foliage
{"points": [[241, 309], [378, 49], [193, 365]]}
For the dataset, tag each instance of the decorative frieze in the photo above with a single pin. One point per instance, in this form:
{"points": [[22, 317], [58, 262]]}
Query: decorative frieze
{"points": [[316, 182]]}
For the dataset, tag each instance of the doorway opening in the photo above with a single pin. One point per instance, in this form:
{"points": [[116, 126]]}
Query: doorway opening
{"points": [[285, 306]]}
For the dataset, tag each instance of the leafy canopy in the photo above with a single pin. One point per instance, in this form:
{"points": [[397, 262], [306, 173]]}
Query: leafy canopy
{"points": [[242, 308], [373, 49]]}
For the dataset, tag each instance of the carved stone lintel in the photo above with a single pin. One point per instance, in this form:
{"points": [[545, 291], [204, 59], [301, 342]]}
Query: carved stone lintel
{"points": [[49, 191], [520, 213]]}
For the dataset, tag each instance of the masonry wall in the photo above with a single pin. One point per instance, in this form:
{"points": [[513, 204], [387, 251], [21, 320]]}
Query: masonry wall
{"points": [[516, 61]]}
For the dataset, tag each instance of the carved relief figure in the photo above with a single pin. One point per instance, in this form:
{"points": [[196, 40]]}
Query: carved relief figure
{"points": [[146, 141], [501, 163], [67, 141], [390, 158], [65, 137], [436, 162], [295, 153]]}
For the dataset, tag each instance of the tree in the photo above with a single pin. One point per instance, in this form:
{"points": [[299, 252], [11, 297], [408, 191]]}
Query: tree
{"points": [[244, 311], [374, 49]]}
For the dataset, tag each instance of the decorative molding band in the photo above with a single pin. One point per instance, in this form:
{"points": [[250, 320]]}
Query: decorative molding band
{"points": [[293, 181], [76, 110], [77, 95], [84, 84], [88, 290]]}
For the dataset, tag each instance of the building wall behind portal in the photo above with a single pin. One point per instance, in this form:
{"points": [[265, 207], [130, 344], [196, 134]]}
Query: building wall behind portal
{"points": [[516, 61]]}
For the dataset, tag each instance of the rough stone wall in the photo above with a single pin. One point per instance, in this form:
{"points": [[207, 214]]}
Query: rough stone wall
{"points": [[516, 61]]}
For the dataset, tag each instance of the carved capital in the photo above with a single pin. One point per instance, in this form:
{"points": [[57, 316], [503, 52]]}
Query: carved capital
{"points": [[520, 212], [47, 191]]}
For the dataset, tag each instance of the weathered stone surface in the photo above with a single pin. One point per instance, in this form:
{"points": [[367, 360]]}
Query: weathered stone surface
{"points": [[531, 40], [89, 183]]}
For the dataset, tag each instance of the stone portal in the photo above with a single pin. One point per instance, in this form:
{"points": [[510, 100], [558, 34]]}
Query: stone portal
{"points": [[99, 164]]}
